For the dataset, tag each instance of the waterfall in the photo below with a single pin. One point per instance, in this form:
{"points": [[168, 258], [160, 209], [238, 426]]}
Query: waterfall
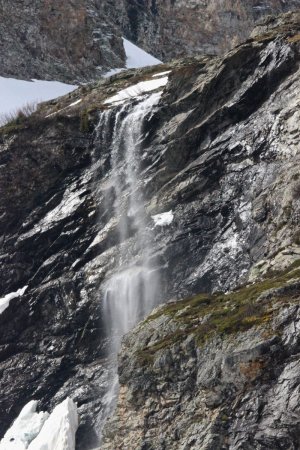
{"points": [[132, 291]]}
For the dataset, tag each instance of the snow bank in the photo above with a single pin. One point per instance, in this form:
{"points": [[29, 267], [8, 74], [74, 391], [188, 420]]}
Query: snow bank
{"points": [[58, 432], [25, 428], [17, 93], [163, 219], [135, 58], [137, 89], [4, 302], [39, 431]]}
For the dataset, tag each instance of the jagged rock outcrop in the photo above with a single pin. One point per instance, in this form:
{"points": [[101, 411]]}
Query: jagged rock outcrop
{"points": [[54, 40], [221, 150]]}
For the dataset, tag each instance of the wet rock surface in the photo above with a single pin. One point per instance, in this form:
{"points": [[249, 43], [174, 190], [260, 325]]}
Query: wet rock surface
{"points": [[221, 150]]}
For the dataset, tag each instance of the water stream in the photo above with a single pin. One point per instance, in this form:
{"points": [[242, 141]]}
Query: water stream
{"points": [[133, 290]]}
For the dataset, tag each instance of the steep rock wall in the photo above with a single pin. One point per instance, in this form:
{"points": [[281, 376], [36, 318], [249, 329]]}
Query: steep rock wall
{"points": [[171, 29]]}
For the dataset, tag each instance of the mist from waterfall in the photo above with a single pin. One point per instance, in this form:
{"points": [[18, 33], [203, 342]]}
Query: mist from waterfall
{"points": [[133, 290]]}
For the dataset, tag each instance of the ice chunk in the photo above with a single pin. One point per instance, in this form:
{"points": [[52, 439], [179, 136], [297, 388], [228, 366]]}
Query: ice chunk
{"points": [[24, 429], [58, 432], [4, 302], [163, 219]]}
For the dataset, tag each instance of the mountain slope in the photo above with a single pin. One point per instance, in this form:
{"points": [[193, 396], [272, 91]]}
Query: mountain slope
{"points": [[219, 154], [181, 28], [64, 41], [79, 41]]}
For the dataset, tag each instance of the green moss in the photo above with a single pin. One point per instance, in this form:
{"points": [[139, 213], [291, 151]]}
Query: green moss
{"points": [[11, 127], [296, 237], [204, 316], [84, 122]]}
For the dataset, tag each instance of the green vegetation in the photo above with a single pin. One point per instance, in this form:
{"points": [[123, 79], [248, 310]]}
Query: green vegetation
{"points": [[18, 119], [84, 121], [295, 38], [223, 314]]}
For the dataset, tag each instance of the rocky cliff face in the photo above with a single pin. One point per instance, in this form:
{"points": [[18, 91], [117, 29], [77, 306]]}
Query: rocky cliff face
{"points": [[213, 372], [170, 29], [220, 149], [53, 40], [82, 40]]}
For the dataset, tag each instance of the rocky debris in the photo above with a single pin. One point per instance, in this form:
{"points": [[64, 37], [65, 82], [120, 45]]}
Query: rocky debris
{"points": [[221, 151], [67, 41], [213, 372]]}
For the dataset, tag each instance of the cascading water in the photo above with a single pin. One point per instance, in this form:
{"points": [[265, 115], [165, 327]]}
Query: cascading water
{"points": [[134, 289]]}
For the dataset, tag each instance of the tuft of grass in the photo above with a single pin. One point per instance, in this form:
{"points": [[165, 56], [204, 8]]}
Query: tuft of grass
{"points": [[84, 121], [295, 38], [19, 118]]}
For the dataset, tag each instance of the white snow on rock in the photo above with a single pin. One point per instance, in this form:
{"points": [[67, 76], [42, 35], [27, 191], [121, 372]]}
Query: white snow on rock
{"points": [[25, 428], [137, 89], [58, 432], [161, 74], [4, 302], [164, 219], [135, 58], [15, 94], [39, 431]]}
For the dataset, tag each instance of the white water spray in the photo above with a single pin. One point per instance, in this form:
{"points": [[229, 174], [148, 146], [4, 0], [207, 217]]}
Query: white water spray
{"points": [[134, 289]]}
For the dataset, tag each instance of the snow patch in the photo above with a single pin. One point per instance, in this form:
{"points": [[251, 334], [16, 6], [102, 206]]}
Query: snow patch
{"points": [[161, 74], [17, 93], [164, 219], [66, 107], [135, 58], [4, 302], [39, 431], [75, 103], [137, 89], [25, 428]]}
